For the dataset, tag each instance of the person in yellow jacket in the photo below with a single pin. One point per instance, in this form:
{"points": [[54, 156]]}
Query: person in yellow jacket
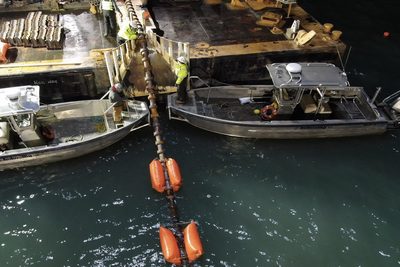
{"points": [[181, 71], [110, 23], [128, 31]]}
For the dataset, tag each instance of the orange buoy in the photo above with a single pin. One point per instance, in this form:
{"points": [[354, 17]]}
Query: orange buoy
{"points": [[269, 112], [174, 174], [3, 51], [157, 176], [146, 14], [48, 132], [386, 34], [193, 246], [169, 246]]}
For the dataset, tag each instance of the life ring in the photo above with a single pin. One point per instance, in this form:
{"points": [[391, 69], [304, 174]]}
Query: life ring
{"points": [[269, 112], [48, 132]]}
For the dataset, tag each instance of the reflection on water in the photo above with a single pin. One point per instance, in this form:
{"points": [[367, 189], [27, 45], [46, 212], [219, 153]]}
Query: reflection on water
{"points": [[258, 202]]}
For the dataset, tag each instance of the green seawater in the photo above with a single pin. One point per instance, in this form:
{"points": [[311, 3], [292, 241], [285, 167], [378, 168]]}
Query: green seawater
{"points": [[332, 202]]}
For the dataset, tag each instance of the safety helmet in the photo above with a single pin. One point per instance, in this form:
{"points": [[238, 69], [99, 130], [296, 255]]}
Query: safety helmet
{"points": [[117, 87], [181, 59]]}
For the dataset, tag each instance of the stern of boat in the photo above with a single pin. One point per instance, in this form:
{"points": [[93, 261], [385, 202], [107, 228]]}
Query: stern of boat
{"points": [[136, 115], [175, 110], [391, 109]]}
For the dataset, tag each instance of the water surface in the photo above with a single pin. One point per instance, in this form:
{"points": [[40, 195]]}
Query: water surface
{"points": [[331, 202]]}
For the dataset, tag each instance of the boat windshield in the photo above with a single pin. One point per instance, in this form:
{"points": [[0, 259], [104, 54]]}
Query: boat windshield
{"points": [[23, 120], [19, 100]]}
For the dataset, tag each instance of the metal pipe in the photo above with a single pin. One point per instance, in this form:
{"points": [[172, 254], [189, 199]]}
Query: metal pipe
{"points": [[116, 65], [109, 63], [378, 90]]}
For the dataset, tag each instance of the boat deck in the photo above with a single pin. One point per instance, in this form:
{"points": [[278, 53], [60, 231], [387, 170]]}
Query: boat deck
{"points": [[78, 129], [233, 110]]}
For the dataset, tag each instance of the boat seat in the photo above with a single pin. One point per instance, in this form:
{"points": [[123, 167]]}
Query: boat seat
{"points": [[325, 109], [308, 104]]}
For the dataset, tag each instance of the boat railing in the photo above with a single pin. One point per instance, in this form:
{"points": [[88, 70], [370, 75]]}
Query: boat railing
{"points": [[128, 110], [373, 99], [118, 60], [169, 49], [354, 104], [204, 82], [105, 95], [391, 97], [105, 115]]}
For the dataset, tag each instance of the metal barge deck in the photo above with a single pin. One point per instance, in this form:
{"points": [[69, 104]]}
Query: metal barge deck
{"points": [[74, 72], [229, 45], [222, 44]]}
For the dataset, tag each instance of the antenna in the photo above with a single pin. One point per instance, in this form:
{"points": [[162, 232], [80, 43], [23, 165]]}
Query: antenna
{"points": [[340, 58], [347, 57]]}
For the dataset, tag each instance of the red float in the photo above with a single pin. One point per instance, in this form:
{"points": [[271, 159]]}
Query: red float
{"points": [[169, 246], [174, 174], [193, 246], [157, 176]]}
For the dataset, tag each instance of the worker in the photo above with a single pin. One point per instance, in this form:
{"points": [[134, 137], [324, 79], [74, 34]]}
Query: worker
{"points": [[117, 96], [127, 31], [109, 7], [181, 71]]}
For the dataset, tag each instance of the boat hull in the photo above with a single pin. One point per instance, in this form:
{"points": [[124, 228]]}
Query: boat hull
{"points": [[48, 154], [279, 129], [79, 145]]}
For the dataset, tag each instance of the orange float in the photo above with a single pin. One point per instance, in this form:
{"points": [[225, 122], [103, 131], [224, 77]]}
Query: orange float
{"points": [[157, 176], [3, 51], [146, 15], [269, 112], [169, 246], [48, 132], [193, 246], [174, 174]]}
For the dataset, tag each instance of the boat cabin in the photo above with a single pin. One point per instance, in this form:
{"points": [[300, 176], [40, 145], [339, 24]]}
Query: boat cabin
{"points": [[311, 86], [18, 106]]}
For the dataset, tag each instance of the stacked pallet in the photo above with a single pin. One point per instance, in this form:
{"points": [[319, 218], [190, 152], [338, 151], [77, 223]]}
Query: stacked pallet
{"points": [[55, 40], [36, 30], [26, 37], [5, 28]]}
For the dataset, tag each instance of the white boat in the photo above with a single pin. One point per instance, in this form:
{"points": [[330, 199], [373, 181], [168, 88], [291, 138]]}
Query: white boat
{"points": [[34, 134], [306, 100]]}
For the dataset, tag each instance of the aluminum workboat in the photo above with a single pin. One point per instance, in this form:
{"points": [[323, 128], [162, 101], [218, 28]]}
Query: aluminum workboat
{"points": [[306, 100], [33, 134]]}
